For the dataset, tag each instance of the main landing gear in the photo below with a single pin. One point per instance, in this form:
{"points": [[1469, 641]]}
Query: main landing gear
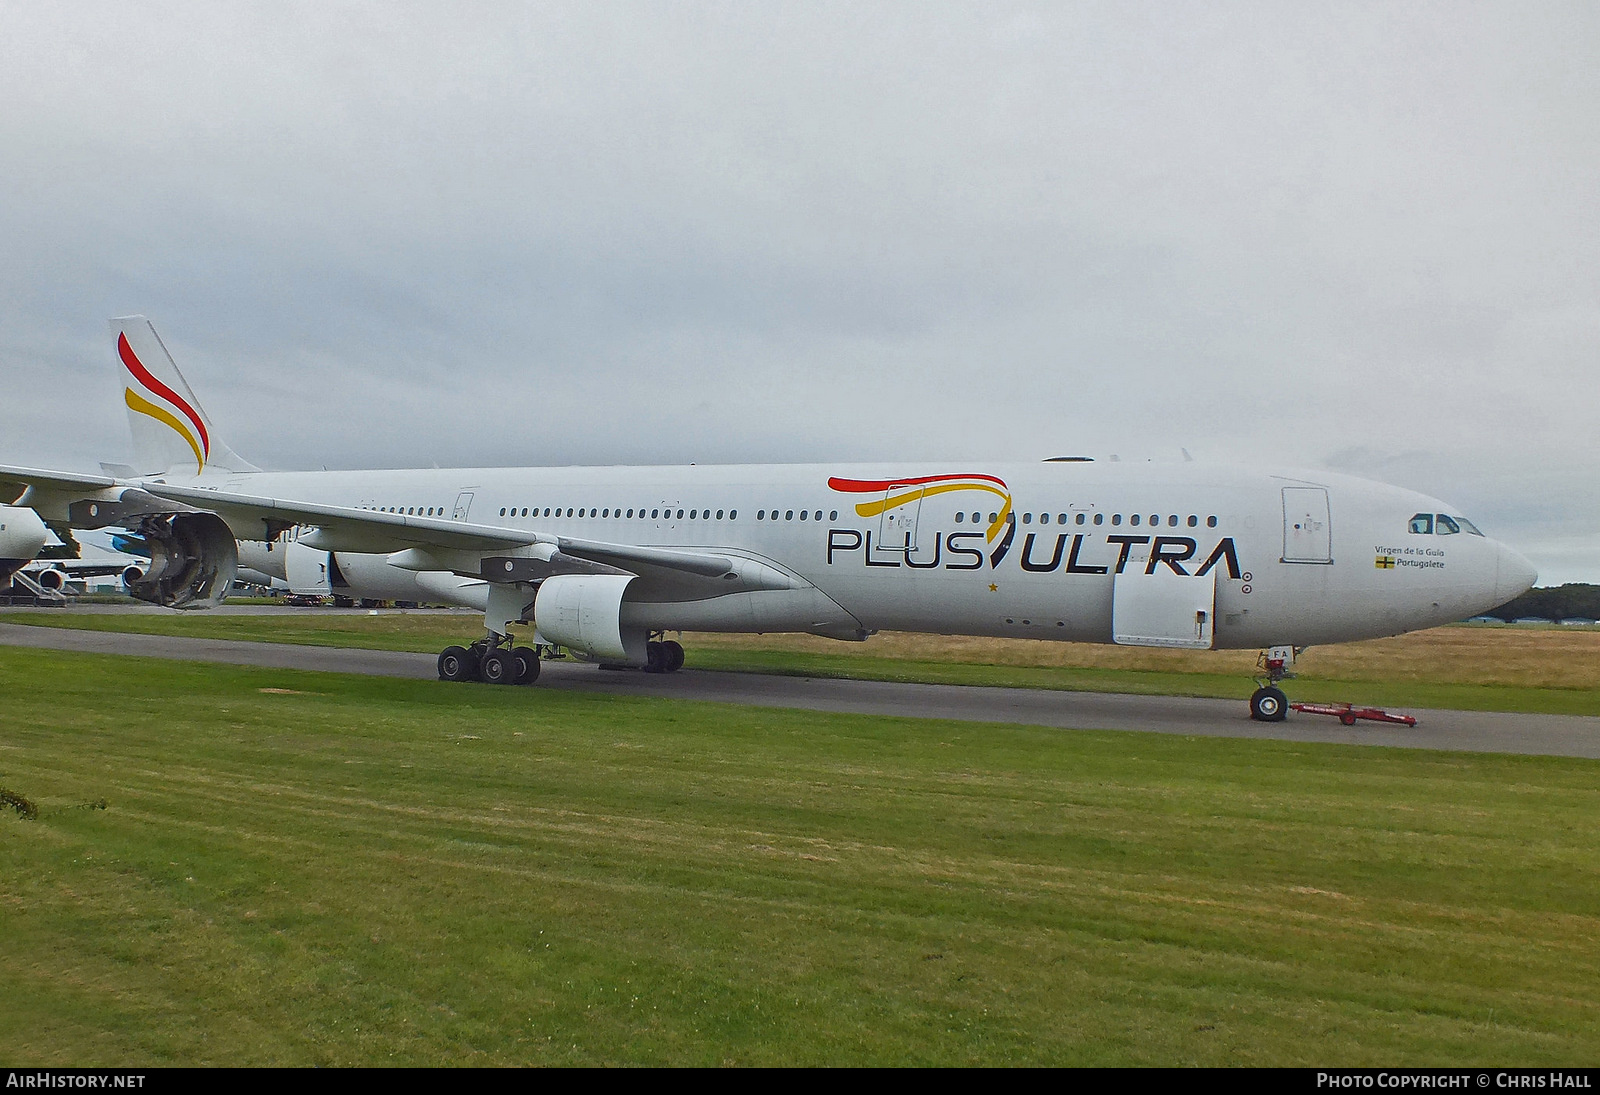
{"points": [[1268, 703], [492, 660], [663, 656], [496, 659]]}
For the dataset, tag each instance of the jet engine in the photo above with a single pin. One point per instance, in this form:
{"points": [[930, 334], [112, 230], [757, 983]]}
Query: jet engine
{"points": [[22, 535], [54, 579], [193, 559], [131, 574]]}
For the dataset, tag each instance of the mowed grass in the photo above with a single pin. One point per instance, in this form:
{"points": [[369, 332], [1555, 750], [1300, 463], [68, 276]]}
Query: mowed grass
{"points": [[303, 868], [1543, 670]]}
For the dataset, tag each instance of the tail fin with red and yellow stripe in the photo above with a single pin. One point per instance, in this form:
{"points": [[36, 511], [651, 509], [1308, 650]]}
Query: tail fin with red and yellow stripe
{"points": [[171, 432]]}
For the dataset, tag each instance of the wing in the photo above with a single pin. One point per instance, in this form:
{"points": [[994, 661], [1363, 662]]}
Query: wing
{"points": [[411, 542], [490, 552], [45, 491]]}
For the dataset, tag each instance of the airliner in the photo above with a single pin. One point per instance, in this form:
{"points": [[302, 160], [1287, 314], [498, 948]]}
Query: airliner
{"points": [[603, 562]]}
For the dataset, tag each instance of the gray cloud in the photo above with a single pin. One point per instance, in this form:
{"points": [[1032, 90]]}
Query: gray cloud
{"points": [[1361, 238]]}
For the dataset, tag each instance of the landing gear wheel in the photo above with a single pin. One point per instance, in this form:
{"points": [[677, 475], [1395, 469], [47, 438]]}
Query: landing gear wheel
{"points": [[527, 664], [498, 667], [655, 659], [457, 663], [671, 656], [1269, 705]]}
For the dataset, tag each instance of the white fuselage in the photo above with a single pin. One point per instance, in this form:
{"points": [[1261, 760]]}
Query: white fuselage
{"points": [[1048, 550]]}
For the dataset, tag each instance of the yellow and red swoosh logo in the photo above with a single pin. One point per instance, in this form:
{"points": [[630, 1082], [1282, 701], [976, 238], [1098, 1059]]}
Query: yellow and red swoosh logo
{"points": [[199, 441], [897, 492]]}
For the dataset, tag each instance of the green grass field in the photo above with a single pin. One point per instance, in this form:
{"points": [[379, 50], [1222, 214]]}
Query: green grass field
{"points": [[1549, 671], [306, 868]]}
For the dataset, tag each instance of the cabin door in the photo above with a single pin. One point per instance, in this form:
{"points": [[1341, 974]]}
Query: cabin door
{"points": [[1307, 537], [897, 524]]}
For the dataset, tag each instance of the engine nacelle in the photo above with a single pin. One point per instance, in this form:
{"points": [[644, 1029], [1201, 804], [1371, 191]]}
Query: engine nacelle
{"points": [[53, 579], [193, 559], [22, 537], [131, 575], [583, 612]]}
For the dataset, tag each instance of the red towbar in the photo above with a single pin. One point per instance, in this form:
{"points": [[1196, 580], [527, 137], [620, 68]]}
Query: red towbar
{"points": [[1348, 714]]}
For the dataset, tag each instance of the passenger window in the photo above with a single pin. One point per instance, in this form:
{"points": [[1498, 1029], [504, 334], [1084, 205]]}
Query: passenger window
{"points": [[1422, 524], [1172, 521], [959, 516], [1446, 526], [804, 515], [993, 517], [789, 516], [761, 515], [1134, 520], [1081, 518], [833, 515], [1061, 518], [1194, 522], [691, 514], [733, 515], [977, 518], [502, 511], [1211, 522], [655, 513], [630, 511], [719, 515], [1116, 518], [1027, 518]]}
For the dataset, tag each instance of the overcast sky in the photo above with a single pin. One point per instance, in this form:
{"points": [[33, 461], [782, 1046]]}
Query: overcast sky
{"points": [[1356, 237]]}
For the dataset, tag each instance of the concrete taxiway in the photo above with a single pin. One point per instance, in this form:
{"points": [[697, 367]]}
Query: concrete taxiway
{"points": [[1471, 731]]}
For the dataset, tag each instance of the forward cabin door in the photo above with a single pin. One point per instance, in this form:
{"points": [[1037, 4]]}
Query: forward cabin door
{"points": [[463, 504], [1307, 536], [1163, 608], [897, 524]]}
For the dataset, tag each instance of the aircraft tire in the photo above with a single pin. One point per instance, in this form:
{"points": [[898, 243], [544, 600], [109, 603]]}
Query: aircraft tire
{"points": [[527, 664], [498, 667], [655, 660], [671, 656], [457, 663], [1269, 705]]}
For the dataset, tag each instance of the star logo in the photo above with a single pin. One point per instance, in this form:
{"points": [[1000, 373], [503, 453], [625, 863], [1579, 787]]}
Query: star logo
{"points": [[993, 588]]}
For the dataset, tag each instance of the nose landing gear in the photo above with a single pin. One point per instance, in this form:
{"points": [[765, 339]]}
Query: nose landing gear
{"points": [[1268, 703]]}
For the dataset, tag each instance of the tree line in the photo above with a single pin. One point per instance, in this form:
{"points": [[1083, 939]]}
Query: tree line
{"points": [[1564, 602]]}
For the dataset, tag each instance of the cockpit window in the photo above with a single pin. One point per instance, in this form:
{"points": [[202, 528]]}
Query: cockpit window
{"points": [[1422, 524], [1445, 525], [1468, 526]]}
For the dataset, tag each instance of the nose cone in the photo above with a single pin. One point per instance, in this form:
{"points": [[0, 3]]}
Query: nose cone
{"points": [[1514, 575]]}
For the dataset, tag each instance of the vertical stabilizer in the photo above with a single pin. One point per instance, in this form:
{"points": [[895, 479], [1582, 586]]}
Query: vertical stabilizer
{"points": [[171, 432]]}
